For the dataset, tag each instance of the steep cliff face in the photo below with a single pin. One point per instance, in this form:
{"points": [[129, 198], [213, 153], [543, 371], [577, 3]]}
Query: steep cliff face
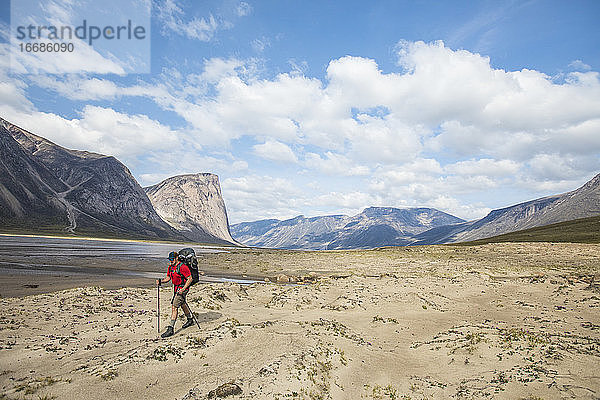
{"points": [[193, 205], [86, 193], [28, 190]]}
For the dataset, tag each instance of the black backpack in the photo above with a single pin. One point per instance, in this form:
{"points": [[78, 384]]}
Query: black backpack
{"points": [[188, 257]]}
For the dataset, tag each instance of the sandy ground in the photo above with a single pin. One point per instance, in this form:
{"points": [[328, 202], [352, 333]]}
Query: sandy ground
{"points": [[514, 321]]}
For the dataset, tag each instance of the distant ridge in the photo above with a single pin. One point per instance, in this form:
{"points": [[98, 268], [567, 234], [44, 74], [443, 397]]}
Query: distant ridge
{"points": [[583, 230], [580, 203], [386, 226], [374, 227]]}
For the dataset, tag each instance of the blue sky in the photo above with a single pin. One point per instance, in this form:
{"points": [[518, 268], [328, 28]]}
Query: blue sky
{"points": [[312, 107]]}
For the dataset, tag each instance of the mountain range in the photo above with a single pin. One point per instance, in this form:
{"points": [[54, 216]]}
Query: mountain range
{"points": [[374, 227], [580, 203], [48, 188], [383, 226]]}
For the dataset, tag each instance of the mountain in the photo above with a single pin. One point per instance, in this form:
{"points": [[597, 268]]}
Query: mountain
{"points": [[45, 187], [296, 233], [28, 190], [386, 226], [193, 205], [382, 226], [581, 203], [374, 227], [582, 230], [245, 232]]}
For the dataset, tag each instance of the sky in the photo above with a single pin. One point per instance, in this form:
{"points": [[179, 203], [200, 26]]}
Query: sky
{"points": [[328, 107]]}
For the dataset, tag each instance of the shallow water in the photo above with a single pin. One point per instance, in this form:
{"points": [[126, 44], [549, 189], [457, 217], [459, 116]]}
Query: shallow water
{"points": [[29, 256], [65, 247]]}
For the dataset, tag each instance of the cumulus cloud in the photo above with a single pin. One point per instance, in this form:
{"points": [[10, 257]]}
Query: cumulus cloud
{"points": [[334, 164], [104, 130], [485, 167], [580, 66], [443, 127], [184, 161], [258, 195], [275, 151]]}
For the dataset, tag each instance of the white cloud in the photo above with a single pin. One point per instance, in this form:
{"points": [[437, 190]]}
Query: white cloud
{"points": [[251, 196], [445, 101], [350, 203], [173, 20], [186, 161], [102, 130], [259, 45], [560, 169], [334, 164], [85, 59], [216, 69], [275, 151], [484, 167], [580, 66], [388, 132], [76, 87], [243, 9]]}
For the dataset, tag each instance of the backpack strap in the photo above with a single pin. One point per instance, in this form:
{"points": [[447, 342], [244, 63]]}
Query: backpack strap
{"points": [[178, 272]]}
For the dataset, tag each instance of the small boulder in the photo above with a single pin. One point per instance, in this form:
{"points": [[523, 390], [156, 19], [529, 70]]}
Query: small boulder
{"points": [[266, 370], [283, 278], [226, 389]]}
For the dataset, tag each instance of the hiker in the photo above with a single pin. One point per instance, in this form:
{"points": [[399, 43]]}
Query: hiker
{"points": [[180, 275]]}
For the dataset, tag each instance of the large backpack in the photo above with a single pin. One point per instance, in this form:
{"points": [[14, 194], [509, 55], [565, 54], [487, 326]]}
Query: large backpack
{"points": [[188, 257]]}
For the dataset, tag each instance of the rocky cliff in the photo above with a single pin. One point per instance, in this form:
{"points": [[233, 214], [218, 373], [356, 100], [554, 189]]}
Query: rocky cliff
{"points": [[193, 205], [28, 190], [49, 188]]}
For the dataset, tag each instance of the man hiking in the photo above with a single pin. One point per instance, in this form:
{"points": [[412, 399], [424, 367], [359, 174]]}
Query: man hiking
{"points": [[181, 276]]}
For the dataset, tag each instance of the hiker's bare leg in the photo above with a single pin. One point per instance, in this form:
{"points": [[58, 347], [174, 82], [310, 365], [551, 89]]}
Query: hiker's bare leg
{"points": [[186, 310]]}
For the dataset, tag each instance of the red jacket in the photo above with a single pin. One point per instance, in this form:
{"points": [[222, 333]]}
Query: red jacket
{"points": [[178, 278]]}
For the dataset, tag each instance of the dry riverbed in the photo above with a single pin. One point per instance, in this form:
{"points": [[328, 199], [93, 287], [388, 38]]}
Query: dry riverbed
{"points": [[495, 321]]}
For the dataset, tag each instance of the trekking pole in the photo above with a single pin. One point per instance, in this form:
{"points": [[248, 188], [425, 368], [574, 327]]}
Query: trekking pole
{"points": [[158, 308], [193, 316]]}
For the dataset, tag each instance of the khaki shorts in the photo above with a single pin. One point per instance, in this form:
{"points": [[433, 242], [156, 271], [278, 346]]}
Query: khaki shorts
{"points": [[179, 299]]}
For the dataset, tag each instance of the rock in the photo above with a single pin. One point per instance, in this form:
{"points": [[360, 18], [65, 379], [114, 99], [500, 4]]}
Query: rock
{"points": [[593, 286], [193, 394], [193, 205], [226, 389], [283, 278], [266, 370]]}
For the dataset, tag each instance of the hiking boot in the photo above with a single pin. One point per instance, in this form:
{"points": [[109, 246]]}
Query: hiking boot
{"points": [[188, 323], [168, 332]]}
